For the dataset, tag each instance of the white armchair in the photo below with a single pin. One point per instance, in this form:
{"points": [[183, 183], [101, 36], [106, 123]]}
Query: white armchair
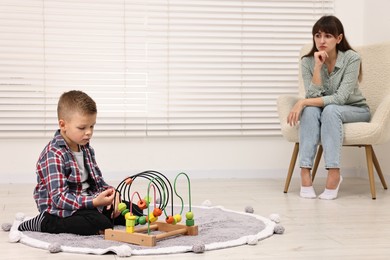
{"points": [[375, 86]]}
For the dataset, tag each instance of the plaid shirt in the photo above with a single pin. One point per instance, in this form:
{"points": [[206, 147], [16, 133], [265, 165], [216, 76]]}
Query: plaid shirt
{"points": [[59, 187]]}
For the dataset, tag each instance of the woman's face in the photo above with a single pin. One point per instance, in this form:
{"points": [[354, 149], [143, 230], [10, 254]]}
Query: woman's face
{"points": [[326, 41]]}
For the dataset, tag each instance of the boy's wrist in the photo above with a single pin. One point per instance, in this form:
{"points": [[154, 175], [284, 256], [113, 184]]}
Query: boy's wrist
{"points": [[89, 202]]}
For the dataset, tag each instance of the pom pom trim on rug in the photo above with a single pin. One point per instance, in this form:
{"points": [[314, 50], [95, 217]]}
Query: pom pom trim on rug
{"points": [[126, 250]]}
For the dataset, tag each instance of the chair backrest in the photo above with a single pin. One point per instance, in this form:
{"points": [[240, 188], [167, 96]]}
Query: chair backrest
{"points": [[376, 72]]}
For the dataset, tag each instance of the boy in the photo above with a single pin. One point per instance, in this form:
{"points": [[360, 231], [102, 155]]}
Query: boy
{"points": [[71, 194]]}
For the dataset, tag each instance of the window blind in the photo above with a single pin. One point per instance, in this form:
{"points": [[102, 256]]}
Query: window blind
{"points": [[154, 67]]}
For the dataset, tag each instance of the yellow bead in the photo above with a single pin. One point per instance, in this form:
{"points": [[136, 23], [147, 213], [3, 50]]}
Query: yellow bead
{"points": [[152, 218], [128, 215], [177, 217], [129, 229], [130, 222]]}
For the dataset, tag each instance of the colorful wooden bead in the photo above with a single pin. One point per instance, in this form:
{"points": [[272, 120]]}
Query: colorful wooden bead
{"points": [[177, 217], [189, 215], [128, 215], [122, 206], [157, 212], [152, 218], [190, 222], [142, 204], [169, 220], [148, 199], [130, 223], [142, 220], [124, 212], [130, 229], [128, 181]]}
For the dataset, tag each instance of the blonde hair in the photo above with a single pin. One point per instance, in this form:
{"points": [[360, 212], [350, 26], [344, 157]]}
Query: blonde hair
{"points": [[75, 101]]}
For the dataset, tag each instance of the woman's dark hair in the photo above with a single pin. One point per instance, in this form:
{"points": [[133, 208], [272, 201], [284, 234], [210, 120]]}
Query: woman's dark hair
{"points": [[331, 24]]}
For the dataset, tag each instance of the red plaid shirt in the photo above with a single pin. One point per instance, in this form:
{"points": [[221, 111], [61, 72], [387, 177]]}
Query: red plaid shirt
{"points": [[59, 187]]}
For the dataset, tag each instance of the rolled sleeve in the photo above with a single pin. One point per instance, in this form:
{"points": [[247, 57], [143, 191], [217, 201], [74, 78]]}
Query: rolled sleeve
{"points": [[87, 202]]}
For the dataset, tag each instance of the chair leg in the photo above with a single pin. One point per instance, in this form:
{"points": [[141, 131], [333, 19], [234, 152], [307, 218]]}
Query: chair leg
{"points": [[378, 169], [369, 157], [291, 167], [316, 162]]}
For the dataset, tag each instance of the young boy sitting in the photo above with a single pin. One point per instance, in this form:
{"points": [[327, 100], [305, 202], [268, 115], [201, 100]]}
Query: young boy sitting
{"points": [[71, 194]]}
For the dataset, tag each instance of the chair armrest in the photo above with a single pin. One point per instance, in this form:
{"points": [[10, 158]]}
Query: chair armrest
{"points": [[381, 117], [285, 104], [382, 113]]}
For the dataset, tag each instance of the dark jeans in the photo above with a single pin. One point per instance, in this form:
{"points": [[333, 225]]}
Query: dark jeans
{"points": [[84, 221]]}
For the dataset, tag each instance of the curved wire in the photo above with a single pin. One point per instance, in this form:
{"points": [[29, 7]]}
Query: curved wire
{"points": [[189, 191]]}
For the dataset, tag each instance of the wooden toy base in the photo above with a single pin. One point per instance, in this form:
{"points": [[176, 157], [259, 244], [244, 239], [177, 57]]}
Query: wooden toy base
{"points": [[143, 239]]}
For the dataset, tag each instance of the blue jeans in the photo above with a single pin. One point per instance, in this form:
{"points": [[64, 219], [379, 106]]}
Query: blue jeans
{"points": [[325, 125]]}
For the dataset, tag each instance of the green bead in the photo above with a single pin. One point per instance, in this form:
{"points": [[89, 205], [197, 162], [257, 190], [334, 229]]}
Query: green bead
{"points": [[142, 220], [124, 212], [190, 222]]}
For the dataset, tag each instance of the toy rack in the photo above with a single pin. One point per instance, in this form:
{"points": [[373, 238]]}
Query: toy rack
{"points": [[141, 235], [143, 239]]}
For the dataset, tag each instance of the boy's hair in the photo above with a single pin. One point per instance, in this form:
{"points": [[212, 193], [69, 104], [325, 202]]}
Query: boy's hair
{"points": [[75, 101]]}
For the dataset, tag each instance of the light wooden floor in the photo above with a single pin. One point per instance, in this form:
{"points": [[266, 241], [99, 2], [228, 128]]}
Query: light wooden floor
{"points": [[352, 227]]}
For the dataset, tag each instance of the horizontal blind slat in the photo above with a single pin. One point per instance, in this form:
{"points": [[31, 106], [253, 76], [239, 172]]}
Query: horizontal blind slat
{"points": [[155, 68]]}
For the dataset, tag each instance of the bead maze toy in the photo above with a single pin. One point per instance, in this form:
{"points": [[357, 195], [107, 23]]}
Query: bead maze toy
{"points": [[162, 230]]}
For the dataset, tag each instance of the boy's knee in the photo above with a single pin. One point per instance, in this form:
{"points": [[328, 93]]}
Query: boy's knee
{"points": [[99, 221]]}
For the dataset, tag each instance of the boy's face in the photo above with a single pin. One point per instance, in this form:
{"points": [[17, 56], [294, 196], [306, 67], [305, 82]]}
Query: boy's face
{"points": [[77, 129]]}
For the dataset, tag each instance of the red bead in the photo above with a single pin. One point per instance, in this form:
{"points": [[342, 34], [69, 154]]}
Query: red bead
{"points": [[169, 220], [157, 212], [142, 204]]}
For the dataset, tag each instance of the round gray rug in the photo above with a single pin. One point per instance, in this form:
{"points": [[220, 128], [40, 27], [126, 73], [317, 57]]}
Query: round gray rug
{"points": [[217, 228]]}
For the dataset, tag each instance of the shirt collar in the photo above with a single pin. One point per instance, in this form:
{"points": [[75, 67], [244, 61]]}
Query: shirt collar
{"points": [[340, 59], [61, 141]]}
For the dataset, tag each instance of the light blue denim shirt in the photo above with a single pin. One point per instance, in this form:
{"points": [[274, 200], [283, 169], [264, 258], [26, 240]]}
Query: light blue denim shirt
{"points": [[341, 87]]}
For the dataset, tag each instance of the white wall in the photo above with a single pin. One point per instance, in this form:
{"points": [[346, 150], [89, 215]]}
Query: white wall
{"points": [[365, 21], [377, 21], [213, 157]]}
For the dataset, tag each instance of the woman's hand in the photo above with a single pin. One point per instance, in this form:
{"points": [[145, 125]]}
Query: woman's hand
{"points": [[295, 113], [320, 57]]}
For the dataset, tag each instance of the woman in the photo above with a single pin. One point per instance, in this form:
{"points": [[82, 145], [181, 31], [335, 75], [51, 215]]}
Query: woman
{"points": [[331, 72]]}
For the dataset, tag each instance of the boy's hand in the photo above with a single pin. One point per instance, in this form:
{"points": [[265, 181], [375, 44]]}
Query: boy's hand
{"points": [[104, 199], [115, 212]]}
